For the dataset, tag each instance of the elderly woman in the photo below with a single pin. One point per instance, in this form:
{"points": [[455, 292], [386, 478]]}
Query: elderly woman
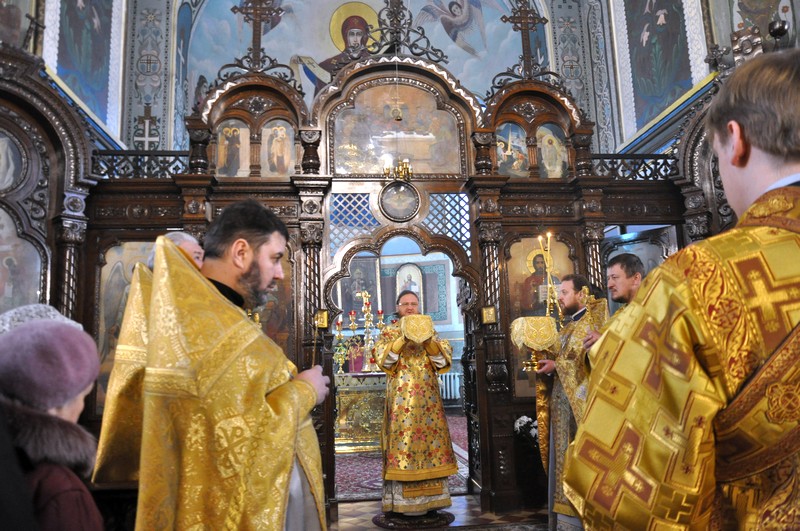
{"points": [[47, 368]]}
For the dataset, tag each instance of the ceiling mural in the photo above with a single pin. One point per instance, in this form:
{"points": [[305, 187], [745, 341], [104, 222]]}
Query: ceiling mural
{"points": [[311, 37]]}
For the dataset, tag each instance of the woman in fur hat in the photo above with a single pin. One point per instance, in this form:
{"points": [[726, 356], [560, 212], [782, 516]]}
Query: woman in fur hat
{"points": [[46, 370]]}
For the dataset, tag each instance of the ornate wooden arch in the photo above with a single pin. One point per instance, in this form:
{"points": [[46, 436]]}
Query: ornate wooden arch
{"points": [[255, 99], [707, 208], [532, 104], [64, 140], [412, 67], [427, 243], [405, 71]]}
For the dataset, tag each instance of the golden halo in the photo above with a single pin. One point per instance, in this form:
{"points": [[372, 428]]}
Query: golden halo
{"points": [[548, 260], [347, 10]]}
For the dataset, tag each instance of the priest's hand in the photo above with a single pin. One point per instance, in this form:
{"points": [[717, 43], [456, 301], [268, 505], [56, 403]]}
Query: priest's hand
{"points": [[398, 344], [319, 381], [547, 367], [591, 338], [431, 347]]}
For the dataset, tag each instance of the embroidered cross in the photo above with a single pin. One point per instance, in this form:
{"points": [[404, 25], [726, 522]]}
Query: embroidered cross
{"points": [[616, 469], [658, 338]]}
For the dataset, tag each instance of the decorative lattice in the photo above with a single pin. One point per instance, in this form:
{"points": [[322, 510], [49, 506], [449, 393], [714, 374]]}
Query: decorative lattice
{"points": [[139, 164], [449, 216], [635, 167], [350, 217]]}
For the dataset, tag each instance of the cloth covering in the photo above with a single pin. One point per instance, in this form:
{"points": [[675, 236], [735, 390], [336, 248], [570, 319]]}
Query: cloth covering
{"points": [[671, 408]]}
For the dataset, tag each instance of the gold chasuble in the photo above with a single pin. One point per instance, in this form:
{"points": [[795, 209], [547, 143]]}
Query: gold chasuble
{"points": [[692, 419], [563, 400], [417, 450], [121, 432], [224, 420]]}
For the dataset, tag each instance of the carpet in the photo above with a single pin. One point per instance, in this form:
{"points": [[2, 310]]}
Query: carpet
{"points": [[359, 475]]}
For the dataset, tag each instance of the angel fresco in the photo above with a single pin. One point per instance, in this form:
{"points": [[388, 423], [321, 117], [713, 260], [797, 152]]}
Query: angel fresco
{"points": [[461, 19]]}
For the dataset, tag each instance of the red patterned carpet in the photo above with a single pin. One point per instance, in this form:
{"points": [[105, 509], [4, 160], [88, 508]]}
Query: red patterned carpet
{"points": [[358, 476]]}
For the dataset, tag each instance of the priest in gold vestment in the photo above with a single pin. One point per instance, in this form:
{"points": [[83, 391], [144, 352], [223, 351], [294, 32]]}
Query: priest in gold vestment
{"points": [[561, 395], [417, 450], [227, 441], [692, 415]]}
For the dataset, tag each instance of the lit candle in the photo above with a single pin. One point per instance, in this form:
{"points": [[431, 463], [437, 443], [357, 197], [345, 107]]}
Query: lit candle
{"points": [[541, 246]]}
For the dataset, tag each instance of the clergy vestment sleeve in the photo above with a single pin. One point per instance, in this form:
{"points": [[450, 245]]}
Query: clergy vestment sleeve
{"points": [[679, 429], [648, 398], [300, 394], [120, 442]]}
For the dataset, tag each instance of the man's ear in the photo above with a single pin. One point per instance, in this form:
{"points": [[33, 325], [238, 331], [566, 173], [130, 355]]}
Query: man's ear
{"points": [[739, 146], [241, 254]]}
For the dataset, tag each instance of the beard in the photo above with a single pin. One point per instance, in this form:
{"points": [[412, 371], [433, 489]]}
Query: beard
{"points": [[622, 299], [250, 281], [570, 310]]}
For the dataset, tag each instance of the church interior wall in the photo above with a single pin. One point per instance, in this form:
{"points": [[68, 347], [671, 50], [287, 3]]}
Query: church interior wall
{"points": [[151, 54], [85, 233]]}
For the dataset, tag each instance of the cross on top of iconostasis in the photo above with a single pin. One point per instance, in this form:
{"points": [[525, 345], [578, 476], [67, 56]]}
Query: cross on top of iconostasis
{"points": [[256, 12], [524, 19]]}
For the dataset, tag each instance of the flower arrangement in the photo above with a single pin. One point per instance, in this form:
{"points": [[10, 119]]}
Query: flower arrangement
{"points": [[528, 429]]}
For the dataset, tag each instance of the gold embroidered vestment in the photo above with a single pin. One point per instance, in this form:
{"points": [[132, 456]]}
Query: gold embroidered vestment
{"points": [[415, 439], [691, 419], [224, 420]]}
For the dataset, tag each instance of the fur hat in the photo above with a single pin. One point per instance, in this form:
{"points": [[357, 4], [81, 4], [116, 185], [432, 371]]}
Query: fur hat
{"points": [[45, 364], [22, 314]]}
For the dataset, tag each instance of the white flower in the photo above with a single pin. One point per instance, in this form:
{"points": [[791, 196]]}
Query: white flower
{"points": [[521, 423], [528, 429]]}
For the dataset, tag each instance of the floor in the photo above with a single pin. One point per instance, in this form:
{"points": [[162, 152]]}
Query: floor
{"points": [[357, 516]]}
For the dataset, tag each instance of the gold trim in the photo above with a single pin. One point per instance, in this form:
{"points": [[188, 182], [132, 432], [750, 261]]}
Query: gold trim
{"points": [[488, 315]]}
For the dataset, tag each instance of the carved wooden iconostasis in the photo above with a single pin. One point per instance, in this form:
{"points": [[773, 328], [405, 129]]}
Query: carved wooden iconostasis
{"points": [[486, 179]]}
